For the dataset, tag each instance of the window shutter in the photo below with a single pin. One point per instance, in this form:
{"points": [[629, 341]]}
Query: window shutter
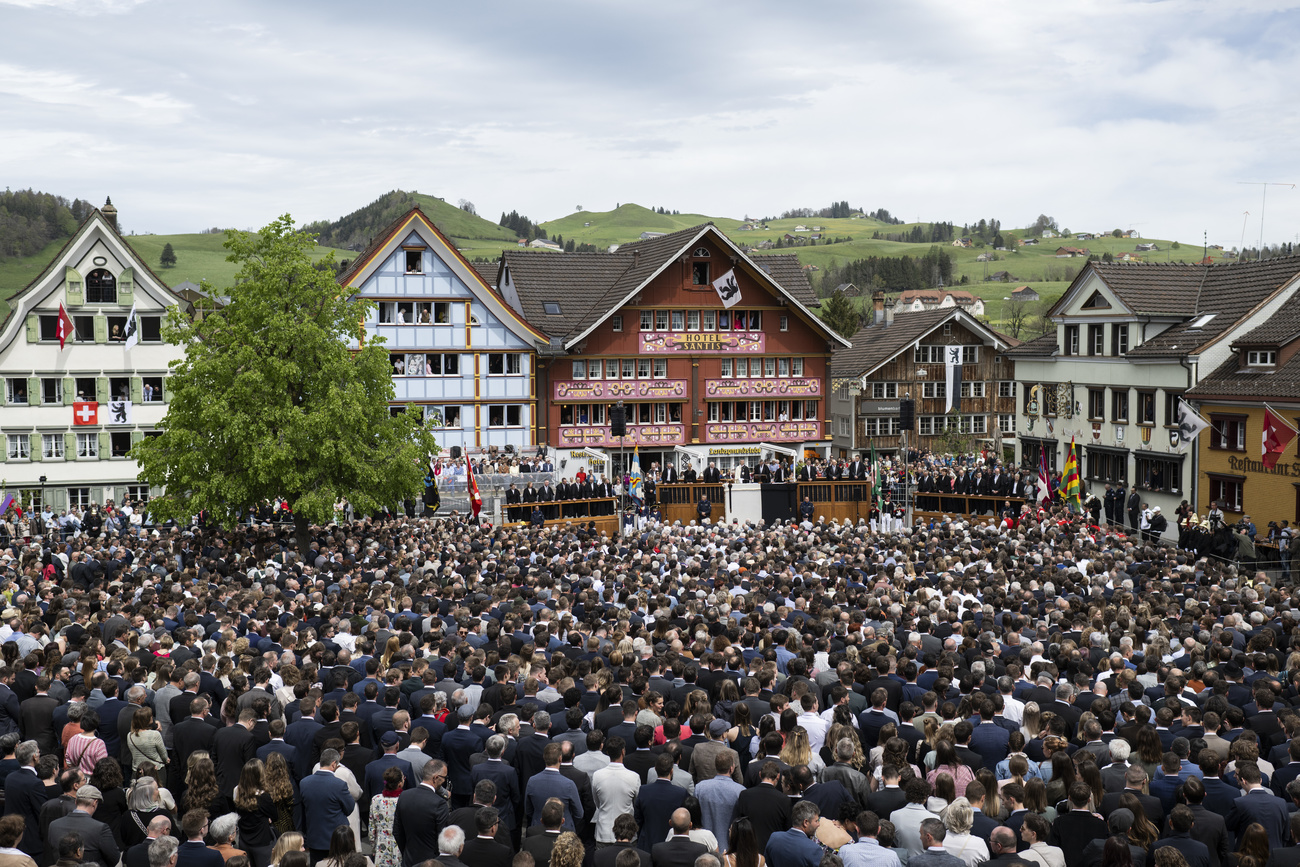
{"points": [[75, 288], [137, 436], [105, 445], [33, 328], [101, 389], [166, 389], [101, 329], [137, 390], [33, 391], [69, 390], [35, 447], [69, 446], [126, 287]]}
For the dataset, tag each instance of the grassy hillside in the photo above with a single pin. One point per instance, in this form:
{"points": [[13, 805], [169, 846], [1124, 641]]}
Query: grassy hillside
{"points": [[355, 231]]}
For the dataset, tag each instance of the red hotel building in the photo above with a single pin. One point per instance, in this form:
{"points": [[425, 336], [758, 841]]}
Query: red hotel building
{"points": [[645, 325]]}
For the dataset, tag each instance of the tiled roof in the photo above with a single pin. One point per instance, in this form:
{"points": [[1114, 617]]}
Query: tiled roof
{"points": [[1182, 289], [1282, 327], [588, 285], [1036, 348], [876, 344], [1230, 382]]}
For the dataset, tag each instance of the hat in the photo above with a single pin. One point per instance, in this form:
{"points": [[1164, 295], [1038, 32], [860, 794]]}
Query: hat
{"points": [[718, 727], [89, 793], [466, 712], [1120, 820], [388, 739]]}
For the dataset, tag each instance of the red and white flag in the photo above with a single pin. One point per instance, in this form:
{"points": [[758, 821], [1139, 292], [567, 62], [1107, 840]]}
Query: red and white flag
{"points": [[85, 412], [1277, 436], [475, 498], [65, 326]]}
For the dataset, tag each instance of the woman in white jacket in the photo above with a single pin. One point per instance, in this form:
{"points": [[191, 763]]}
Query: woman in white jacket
{"points": [[959, 841]]}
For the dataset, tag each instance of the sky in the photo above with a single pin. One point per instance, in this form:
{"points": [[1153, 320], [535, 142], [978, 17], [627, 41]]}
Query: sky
{"points": [[1102, 114]]}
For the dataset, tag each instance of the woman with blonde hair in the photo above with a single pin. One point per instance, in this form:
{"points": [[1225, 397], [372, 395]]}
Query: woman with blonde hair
{"points": [[959, 841], [798, 751], [1031, 722], [286, 843], [887, 732], [568, 851]]}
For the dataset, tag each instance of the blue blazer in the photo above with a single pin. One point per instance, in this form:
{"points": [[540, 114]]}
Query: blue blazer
{"points": [[284, 748], [653, 808], [991, 742], [552, 784], [793, 848], [326, 804], [509, 795], [458, 745], [374, 783], [1267, 809], [301, 736]]}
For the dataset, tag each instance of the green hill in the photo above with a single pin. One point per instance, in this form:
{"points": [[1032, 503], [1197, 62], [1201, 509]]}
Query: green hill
{"points": [[356, 230]]}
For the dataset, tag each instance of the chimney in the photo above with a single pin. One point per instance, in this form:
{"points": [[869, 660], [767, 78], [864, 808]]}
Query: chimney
{"points": [[889, 312], [110, 212], [878, 302]]}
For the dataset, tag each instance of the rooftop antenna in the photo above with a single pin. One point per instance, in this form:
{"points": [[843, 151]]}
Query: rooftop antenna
{"points": [[1241, 249], [1263, 198]]}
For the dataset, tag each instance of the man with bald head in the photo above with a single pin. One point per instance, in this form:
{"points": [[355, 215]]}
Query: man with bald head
{"points": [[679, 850]]}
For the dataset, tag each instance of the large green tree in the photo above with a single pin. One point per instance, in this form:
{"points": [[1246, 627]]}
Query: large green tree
{"points": [[840, 314], [270, 401]]}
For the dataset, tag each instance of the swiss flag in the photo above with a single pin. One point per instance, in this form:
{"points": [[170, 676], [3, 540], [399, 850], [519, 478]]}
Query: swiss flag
{"points": [[475, 498], [1277, 436], [65, 327], [85, 413]]}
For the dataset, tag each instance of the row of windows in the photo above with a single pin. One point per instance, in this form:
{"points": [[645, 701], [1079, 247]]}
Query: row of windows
{"points": [[1095, 337], [113, 328], [882, 426], [657, 368], [701, 320], [637, 413], [61, 391], [930, 425], [498, 415], [890, 390], [448, 364], [1146, 405], [762, 410], [931, 354], [53, 446], [77, 498], [414, 312]]}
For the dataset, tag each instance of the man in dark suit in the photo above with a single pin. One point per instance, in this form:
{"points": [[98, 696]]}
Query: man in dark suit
{"points": [[138, 855], [421, 815], [458, 745], [191, 734], [108, 714], [540, 843], [1290, 856], [1002, 846], [483, 849], [1208, 827], [550, 783], [712, 475], [503, 777], [765, 805], [231, 748], [97, 838], [528, 750], [25, 794], [37, 716], [989, 739], [1078, 827], [1194, 852], [797, 846], [326, 804], [889, 797], [301, 735], [194, 852], [655, 803], [374, 774], [277, 744], [680, 850], [625, 833], [1259, 805], [1134, 779]]}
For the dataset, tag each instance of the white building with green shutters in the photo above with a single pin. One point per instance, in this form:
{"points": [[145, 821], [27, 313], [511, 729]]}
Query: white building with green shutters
{"points": [[70, 415]]}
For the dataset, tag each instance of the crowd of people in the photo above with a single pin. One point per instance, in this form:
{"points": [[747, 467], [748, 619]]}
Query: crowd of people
{"points": [[1054, 692]]}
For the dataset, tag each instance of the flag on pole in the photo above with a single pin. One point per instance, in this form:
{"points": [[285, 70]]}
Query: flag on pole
{"points": [[1190, 425], [6, 500], [1277, 436], [132, 328], [1070, 480], [952, 365], [728, 289], [431, 499], [65, 327], [634, 488], [877, 484], [475, 498], [1044, 477]]}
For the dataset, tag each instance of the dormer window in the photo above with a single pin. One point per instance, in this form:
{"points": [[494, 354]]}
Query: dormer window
{"points": [[101, 287], [1261, 358], [700, 273], [414, 261]]}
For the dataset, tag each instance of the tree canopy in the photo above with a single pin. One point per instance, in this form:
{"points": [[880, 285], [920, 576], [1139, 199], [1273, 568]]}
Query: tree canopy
{"points": [[270, 401]]}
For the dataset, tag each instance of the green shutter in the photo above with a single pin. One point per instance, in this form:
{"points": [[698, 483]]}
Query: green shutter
{"points": [[105, 445], [69, 390], [137, 436], [101, 389], [101, 329], [137, 389], [126, 287], [166, 389], [35, 447], [33, 391], [69, 446], [75, 289], [33, 328]]}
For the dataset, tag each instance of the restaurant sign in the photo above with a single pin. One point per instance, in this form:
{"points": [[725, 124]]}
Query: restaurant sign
{"points": [[624, 389], [704, 341], [766, 431], [1246, 465], [787, 387], [637, 435]]}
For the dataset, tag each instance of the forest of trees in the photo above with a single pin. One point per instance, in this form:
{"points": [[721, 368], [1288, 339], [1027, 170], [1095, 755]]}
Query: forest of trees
{"points": [[570, 246], [893, 273], [521, 225], [30, 220], [357, 229], [883, 215], [934, 233]]}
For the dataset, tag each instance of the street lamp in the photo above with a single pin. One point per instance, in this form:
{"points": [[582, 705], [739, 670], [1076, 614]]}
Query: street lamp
{"points": [[42, 492]]}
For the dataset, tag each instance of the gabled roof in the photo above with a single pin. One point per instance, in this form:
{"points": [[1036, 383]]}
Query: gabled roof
{"points": [[589, 287], [1230, 382], [875, 345], [416, 220], [1036, 348]]}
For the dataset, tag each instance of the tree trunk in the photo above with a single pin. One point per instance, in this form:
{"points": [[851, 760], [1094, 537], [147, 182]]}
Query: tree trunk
{"points": [[302, 533]]}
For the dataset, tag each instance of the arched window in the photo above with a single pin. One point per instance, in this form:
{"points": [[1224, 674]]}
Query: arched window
{"points": [[101, 287]]}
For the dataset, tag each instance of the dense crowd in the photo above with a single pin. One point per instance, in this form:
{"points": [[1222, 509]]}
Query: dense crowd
{"points": [[1053, 691]]}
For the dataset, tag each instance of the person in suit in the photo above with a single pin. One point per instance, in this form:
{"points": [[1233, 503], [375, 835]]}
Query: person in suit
{"points": [[232, 747], [1134, 779], [138, 855], [96, 837], [327, 803], [625, 834], [679, 850], [504, 778], [1209, 827], [483, 849], [712, 475], [988, 739], [277, 744], [25, 794], [540, 844], [889, 797], [37, 716], [191, 734], [1194, 852], [765, 805], [1259, 805], [374, 772], [301, 735], [422, 814], [1134, 506], [458, 745], [194, 852], [1002, 846], [797, 846], [528, 750], [656, 802], [1075, 829], [550, 783]]}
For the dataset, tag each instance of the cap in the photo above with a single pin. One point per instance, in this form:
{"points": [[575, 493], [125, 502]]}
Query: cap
{"points": [[1120, 820], [466, 712], [389, 738], [89, 793], [718, 727]]}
